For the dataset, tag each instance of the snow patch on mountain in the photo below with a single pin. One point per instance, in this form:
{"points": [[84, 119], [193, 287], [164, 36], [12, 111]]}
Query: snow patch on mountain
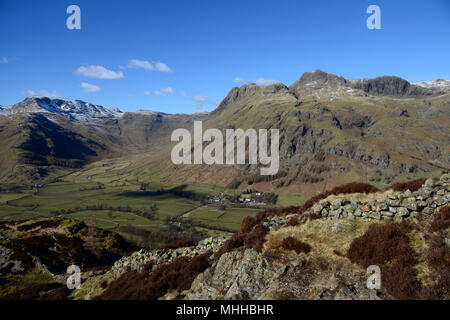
{"points": [[75, 110], [438, 83], [150, 112]]}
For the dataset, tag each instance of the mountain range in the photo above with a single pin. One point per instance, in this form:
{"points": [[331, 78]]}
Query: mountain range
{"points": [[332, 130]]}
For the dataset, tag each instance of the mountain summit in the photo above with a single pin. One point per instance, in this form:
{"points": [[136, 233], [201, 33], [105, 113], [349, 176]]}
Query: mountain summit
{"points": [[75, 110]]}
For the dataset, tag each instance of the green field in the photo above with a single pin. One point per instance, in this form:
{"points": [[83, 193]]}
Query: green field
{"points": [[117, 206], [212, 216], [5, 197]]}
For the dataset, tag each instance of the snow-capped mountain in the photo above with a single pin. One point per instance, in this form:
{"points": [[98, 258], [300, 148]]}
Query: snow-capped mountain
{"points": [[438, 83], [75, 110]]}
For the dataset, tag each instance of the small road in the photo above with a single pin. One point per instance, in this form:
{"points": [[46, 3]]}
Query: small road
{"points": [[188, 211]]}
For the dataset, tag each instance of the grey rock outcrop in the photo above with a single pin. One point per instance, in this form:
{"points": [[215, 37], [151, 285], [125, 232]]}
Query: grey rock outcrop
{"points": [[389, 85], [236, 275]]}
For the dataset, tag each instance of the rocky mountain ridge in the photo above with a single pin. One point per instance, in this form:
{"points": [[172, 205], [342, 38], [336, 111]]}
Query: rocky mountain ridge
{"points": [[331, 129], [74, 110], [85, 112]]}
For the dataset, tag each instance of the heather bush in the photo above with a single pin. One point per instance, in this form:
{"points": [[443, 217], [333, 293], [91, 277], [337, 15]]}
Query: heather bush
{"points": [[438, 258], [352, 187], [441, 220], [32, 292], [255, 238], [400, 279], [176, 275], [381, 243], [290, 243], [45, 224], [292, 222], [180, 244], [387, 245], [251, 235], [60, 293], [412, 186], [170, 239]]}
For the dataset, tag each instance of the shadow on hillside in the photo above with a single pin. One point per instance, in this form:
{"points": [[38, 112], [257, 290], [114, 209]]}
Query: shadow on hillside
{"points": [[176, 191]]}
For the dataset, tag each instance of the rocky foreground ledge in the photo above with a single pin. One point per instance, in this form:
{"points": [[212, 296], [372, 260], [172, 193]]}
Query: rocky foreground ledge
{"points": [[318, 251], [323, 255]]}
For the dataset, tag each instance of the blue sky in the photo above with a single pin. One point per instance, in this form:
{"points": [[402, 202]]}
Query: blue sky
{"points": [[185, 56]]}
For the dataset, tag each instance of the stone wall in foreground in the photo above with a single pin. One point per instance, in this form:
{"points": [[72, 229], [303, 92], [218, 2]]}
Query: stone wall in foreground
{"points": [[430, 197]]}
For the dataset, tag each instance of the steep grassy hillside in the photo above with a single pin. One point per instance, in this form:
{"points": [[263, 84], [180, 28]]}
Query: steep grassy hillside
{"points": [[332, 130]]}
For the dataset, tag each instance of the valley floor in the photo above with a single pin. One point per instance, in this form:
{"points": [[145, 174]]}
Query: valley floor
{"points": [[112, 205]]}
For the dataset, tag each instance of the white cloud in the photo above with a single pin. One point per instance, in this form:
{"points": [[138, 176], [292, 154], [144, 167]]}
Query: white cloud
{"points": [[200, 98], [239, 80], [4, 60], [162, 67], [90, 87], [259, 81], [45, 93], [183, 93], [146, 65], [98, 72], [140, 64], [265, 82], [203, 100], [52, 95], [147, 93], [164, 92]]}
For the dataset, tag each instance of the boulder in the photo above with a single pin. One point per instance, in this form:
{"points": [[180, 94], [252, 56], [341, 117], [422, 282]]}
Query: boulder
{"points": [[350, 292], [410, 204], [402, 212]]}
